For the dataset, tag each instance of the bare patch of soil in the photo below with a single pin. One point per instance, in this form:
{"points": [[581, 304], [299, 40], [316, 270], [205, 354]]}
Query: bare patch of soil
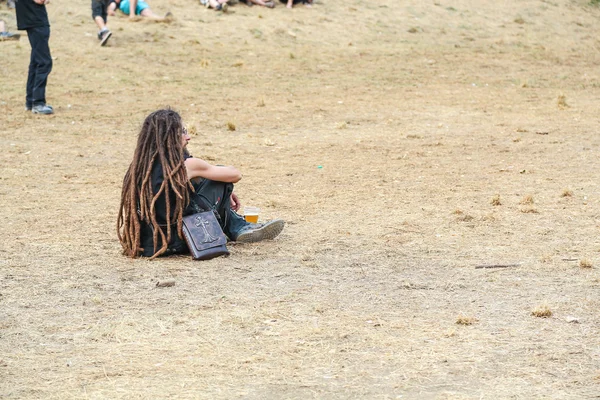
{"points": [[381, 132]]}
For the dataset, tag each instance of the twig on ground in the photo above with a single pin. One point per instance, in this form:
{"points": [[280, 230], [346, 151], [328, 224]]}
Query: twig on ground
{"points": [[403, 230], [497, 266], [166, 283]]}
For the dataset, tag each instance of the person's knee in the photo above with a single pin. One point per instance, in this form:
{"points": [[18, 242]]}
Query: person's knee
{"points": [[44, 64]]}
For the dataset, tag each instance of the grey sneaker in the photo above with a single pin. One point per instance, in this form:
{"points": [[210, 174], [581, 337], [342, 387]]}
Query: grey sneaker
{"points": [[9, 36], [42, 109], [104, 36], [257, 232], [10, 3]]}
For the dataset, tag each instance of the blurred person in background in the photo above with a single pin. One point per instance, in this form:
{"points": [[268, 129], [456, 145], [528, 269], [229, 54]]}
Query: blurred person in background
{"points": [[136, 7], [33, 18], [100, 16], [5, 35], [268, 4], [291, 3], [218, 5]]}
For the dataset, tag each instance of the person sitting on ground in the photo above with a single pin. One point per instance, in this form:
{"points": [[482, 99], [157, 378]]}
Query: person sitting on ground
{"points": [[268, 4], [218, 5], [136, 7], [291, 3], [164, 183], [100, 15], [5, 35]]}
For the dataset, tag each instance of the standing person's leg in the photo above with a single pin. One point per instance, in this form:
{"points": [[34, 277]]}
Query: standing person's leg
{"points": [[100, 15], [97, 14], [32, 68], [39, 68]]}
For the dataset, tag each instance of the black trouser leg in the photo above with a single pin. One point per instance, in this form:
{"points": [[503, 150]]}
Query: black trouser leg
{"points": [[217, 196], [40, 65]]}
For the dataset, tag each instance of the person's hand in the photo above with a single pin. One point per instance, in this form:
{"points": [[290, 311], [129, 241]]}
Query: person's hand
{"points": [[235, 202], [41, 2]]}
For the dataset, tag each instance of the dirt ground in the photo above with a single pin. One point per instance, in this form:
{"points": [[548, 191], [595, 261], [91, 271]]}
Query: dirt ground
{"points": [[405, 144]]}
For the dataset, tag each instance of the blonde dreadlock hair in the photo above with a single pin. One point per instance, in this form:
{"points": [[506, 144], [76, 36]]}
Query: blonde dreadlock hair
{"points": [[159, 141]]}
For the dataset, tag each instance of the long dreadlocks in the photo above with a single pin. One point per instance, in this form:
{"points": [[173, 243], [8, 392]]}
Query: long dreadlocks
{"points": [[158, 141]]}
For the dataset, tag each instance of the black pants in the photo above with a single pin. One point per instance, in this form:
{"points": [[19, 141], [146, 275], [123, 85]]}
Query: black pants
{"points": [[99, 9], [216, 195], [40, 65]]}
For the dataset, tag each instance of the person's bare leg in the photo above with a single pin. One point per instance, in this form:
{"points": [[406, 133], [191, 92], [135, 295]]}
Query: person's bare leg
{"points": [[112, 9], [132, 8], [148, 13], [103, 33], [100, 23], [4, 35], [290, 4], [258, 2]]}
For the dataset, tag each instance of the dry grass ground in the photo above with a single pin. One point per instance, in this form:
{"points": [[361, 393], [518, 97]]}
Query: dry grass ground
{"points": [[382, 132]]}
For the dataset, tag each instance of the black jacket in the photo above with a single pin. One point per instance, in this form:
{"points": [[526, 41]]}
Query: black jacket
{"points": [[30, 15]]}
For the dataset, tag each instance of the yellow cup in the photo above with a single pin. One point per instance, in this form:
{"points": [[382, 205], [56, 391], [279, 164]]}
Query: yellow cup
{"points": [[251, 214]]}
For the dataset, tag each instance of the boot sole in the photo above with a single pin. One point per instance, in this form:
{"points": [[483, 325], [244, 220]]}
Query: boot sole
{"points": [[42, 113], [270, 231]]}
